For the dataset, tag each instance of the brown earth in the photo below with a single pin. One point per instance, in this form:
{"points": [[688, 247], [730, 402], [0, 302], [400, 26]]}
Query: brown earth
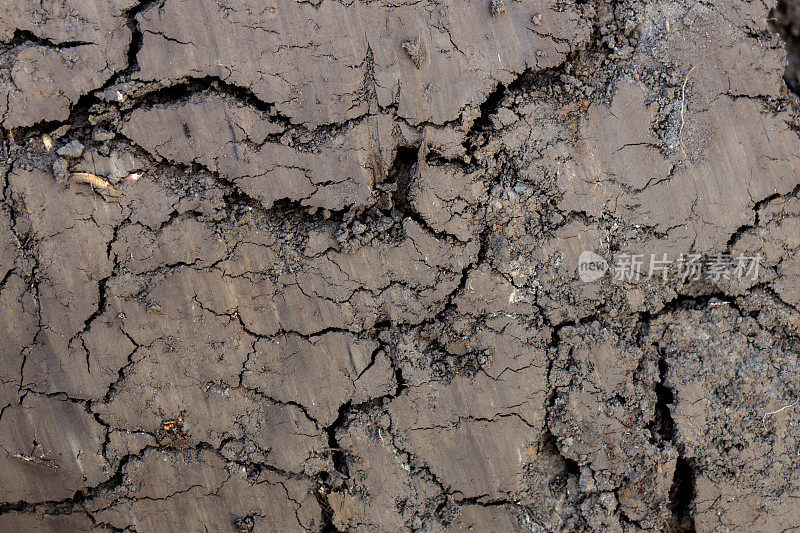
{"points": [[313, 265]]}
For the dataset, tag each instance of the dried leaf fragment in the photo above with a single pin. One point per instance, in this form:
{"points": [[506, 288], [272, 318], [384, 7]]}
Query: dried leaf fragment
{"points": [[47, 141]]}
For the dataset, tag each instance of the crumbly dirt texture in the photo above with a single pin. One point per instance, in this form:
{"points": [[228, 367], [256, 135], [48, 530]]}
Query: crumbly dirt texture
{"points": [[311, 265]]}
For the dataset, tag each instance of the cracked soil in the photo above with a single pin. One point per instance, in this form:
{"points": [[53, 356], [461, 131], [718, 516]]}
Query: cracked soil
{"points": [[312, 265]]}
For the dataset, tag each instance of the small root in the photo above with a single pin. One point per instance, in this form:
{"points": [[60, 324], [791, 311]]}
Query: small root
{"points": [[785, 407], [683, 107], [95, 182]]}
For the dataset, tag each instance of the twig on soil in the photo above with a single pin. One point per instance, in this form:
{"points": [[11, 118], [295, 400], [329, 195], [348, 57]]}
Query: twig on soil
{"points": [[40, 459], [35, 460], [95, 181]]}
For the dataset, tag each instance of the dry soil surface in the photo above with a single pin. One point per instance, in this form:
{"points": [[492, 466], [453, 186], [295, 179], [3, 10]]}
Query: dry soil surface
{"points": [[313, 265]]}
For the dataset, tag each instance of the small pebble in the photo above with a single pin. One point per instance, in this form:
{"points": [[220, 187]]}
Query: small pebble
{"points": [[497, 7], [72, 149], [102, 135], [61, 170], [60, 131], [415, 51]]}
